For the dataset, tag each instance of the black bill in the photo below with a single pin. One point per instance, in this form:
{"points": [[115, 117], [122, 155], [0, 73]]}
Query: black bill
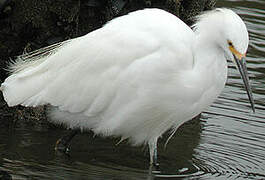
{"points": [[241, 64]]}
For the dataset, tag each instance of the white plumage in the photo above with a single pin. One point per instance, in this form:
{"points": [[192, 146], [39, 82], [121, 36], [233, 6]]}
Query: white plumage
{"points": [[137, 77]]}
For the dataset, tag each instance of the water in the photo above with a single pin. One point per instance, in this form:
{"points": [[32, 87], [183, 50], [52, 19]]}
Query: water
{"points": [[227, 143]]}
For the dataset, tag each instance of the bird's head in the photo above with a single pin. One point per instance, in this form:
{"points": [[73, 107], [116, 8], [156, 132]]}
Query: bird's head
{"points": [[235, 45], [228, 32]]}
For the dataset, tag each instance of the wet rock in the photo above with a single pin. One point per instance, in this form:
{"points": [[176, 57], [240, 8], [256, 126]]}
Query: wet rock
{"points": [[95, 3], [6, 7], [117, 6], [191, 8], [3, 3]]}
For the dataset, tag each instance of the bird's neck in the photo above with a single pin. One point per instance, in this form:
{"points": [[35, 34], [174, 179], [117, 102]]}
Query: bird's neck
{"points": [[209, 62], [208, 53]]}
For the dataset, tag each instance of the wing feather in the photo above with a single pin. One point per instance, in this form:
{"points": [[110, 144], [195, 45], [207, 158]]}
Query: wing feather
{"points": [[84, 74]]}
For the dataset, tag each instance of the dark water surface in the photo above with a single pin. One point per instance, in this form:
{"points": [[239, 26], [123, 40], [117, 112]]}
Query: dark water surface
{"points": [[227, 143]]}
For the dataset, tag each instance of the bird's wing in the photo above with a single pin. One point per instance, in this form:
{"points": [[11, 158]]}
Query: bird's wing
{"points": [[84, 73]]}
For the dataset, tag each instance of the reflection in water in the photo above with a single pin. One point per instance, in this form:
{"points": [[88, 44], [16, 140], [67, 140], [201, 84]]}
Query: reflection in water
{"points": [[29, 154], [227, 142], [233, 139]]}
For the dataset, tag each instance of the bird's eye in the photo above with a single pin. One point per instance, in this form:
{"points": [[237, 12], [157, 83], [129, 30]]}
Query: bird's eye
{"points": [[230, 43]]}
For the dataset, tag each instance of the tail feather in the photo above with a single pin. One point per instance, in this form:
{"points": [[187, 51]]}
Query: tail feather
{"points": [[28, 76], [33, 59]]}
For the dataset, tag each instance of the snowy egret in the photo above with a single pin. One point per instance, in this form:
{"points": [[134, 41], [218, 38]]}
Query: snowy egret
{"points": [[138, 76]]}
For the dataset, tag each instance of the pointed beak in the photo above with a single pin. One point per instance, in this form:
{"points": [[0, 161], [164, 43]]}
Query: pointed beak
{"points": [[241, 64]]}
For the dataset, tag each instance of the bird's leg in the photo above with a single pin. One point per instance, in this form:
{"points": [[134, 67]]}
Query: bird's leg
{"points": [[63, 143], [153, 153]]}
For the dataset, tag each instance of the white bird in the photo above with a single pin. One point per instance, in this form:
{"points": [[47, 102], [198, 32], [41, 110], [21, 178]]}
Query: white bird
{"points": [[136, 77]]}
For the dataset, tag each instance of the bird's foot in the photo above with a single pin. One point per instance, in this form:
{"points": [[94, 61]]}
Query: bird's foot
{"points": [[154, 167], [62, 146]]}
